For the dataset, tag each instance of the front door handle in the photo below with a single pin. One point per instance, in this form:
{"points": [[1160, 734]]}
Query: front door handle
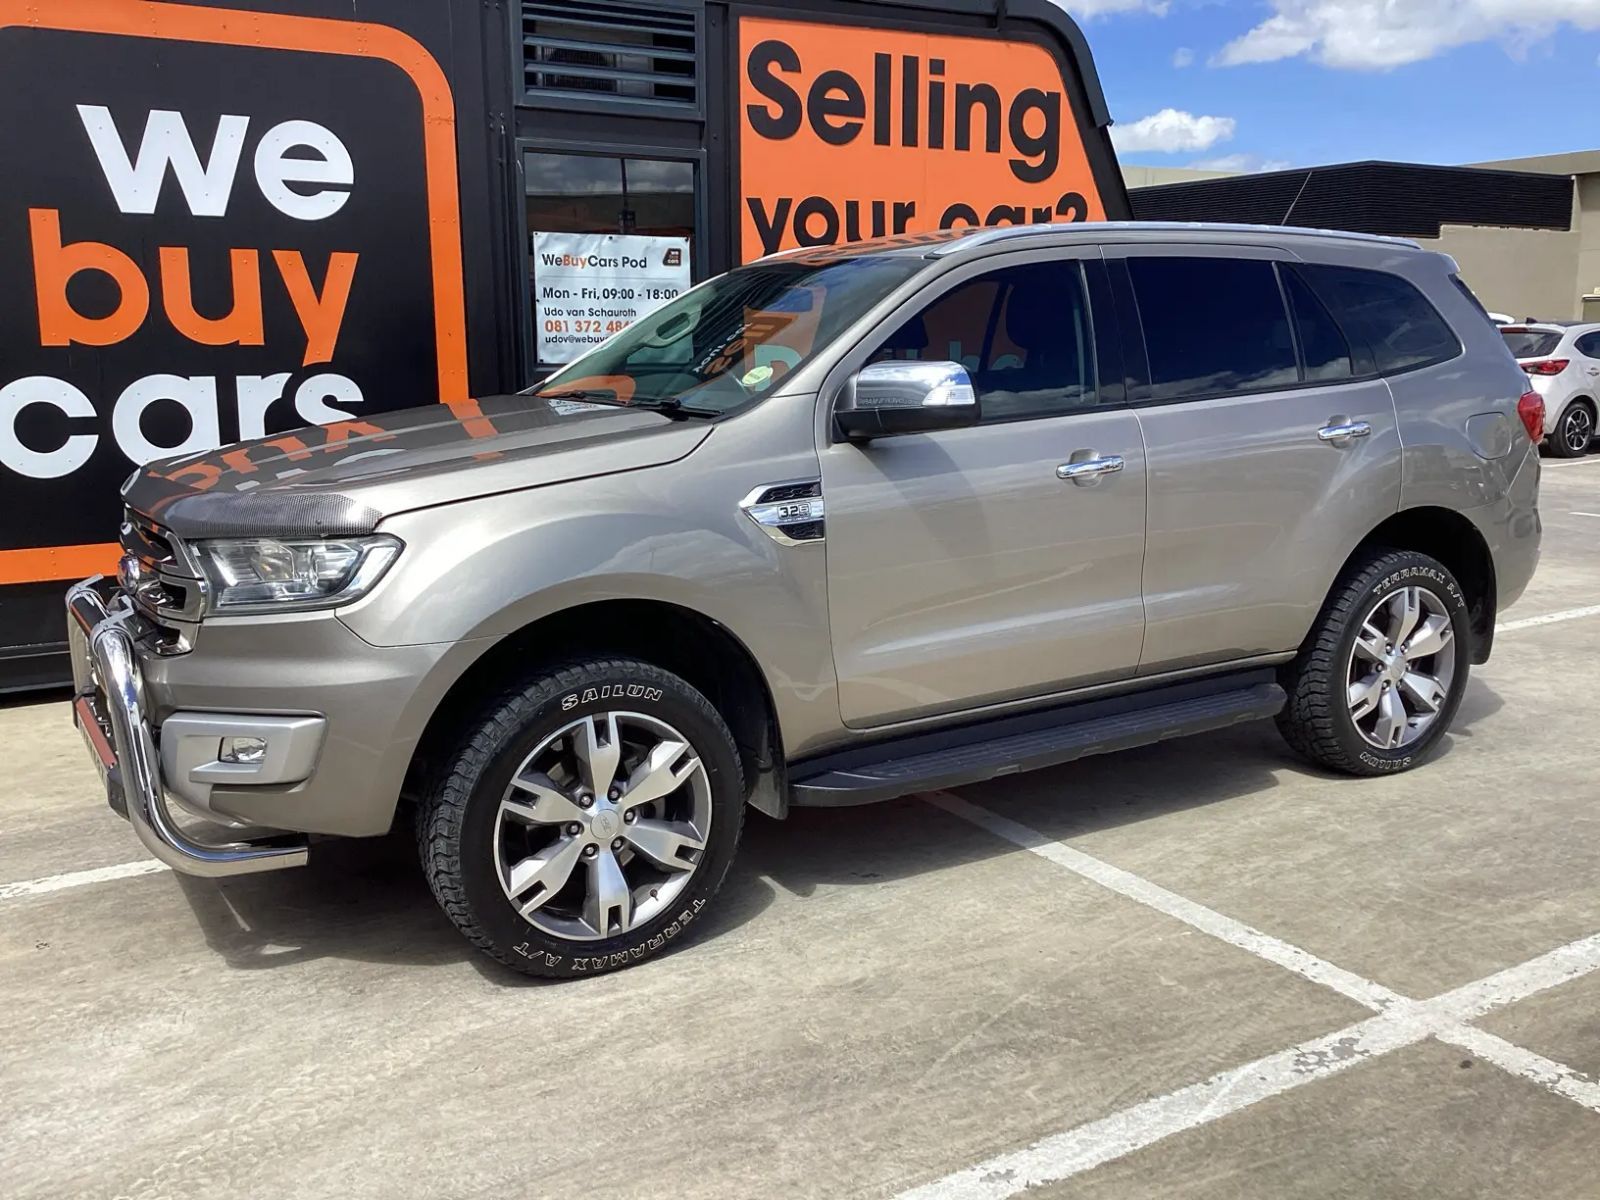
{"points": [[1341, 432], [1088, 470]]}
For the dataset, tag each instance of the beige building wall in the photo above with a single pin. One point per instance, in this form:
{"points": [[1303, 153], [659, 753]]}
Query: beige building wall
{"points": [[1521, 272], [1584, 166], [1138, 177]]}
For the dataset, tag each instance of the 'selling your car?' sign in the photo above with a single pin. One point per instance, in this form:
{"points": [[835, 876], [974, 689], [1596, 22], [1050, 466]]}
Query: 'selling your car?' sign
{"points": [[847, 132]]}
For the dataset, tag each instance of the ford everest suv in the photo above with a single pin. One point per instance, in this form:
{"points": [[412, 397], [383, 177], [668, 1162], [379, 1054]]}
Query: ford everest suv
{"points": [[841, 525]]}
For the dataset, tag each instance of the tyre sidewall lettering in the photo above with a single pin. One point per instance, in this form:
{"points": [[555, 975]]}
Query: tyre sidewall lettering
{"points": [[610, 691]]}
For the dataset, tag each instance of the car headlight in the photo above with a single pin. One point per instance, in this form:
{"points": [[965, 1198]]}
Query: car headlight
{"points": [[265, 574]]}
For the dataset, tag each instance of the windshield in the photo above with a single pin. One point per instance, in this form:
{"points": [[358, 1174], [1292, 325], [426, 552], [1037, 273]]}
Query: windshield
{"points": [[1530, 343], [725, 344]]}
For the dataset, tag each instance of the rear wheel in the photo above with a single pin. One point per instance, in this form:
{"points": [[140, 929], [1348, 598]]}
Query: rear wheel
{"points": [[1574, 431], [588, 818], [1382, 674]]}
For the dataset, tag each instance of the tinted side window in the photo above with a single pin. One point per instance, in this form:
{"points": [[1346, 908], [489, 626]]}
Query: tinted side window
{"points": [[1589, 345], [1023, 333], [1213, 326], [1323, 347], [1393, 317]]}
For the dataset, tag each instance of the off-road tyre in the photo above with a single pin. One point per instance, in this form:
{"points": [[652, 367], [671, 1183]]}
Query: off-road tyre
{"points": [[456, 818], [1317, 722]]}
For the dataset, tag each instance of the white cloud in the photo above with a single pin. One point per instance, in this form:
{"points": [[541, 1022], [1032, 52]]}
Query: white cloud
{"points": [[1183, 57], [1240, 164], [1374, 35], [1172, 131], [1100, 8]]}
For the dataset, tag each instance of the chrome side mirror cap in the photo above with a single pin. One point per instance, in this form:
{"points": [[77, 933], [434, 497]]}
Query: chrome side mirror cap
{"points": [[888, 398]]}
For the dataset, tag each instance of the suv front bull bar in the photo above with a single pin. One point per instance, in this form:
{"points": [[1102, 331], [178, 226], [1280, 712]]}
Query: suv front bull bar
{"points": [[108, 697]]}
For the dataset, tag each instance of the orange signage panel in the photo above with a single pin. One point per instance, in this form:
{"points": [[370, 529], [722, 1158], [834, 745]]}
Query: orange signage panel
{"points": [[848, 132]]}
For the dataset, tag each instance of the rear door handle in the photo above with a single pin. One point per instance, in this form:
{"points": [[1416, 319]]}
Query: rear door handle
{"points": [[1088, 470], [1341, 433]]}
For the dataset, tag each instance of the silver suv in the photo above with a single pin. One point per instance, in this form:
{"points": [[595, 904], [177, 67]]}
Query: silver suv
{"points": [[841, 525]]}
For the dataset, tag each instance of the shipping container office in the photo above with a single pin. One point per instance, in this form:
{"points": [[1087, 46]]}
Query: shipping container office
{"points": [[220, 223]]}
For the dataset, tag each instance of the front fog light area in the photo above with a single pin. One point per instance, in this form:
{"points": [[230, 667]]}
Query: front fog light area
{"points": [[242, 750], [257, 574]]}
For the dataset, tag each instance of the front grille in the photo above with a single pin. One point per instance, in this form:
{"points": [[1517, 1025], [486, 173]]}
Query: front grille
{"points": [[163, 585], [146, 540]]}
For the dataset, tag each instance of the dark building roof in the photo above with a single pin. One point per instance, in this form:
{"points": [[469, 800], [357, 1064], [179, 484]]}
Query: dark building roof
{"points": [[1399, 199]]}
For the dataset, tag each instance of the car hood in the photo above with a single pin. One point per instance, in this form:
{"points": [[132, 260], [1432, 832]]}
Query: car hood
{"points": [[342, 479]]}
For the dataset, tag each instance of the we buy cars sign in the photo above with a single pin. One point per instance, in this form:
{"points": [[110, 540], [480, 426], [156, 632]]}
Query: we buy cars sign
{"points": [[214, 225]]}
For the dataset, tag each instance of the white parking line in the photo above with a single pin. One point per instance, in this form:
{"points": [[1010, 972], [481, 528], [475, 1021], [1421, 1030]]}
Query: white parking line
{"points": [[1075, 1151], [1546, 1072], [1584, 514], [1566, 614], [1087, 1146], [1400, 1022], [1125, 883], [72, 879]]}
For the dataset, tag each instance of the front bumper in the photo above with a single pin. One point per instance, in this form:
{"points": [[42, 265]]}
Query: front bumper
{"points": [[109, 709]]}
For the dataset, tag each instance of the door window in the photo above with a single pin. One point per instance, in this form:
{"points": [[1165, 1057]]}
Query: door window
{"points": [[592, 193], [1389, 314], [1324, 352], [1023, 333], [1589, 345], [1213, 326]]}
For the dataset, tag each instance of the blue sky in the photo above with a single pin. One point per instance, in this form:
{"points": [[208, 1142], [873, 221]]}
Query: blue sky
{"points": [[1301, 82]]}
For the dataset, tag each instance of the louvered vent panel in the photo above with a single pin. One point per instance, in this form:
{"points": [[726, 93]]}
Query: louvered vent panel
{"points": [[647, 54]]}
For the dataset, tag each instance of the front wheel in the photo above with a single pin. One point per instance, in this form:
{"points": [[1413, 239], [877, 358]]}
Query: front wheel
{"points": [[1380, 677], [1574, 431], [587, 819]]}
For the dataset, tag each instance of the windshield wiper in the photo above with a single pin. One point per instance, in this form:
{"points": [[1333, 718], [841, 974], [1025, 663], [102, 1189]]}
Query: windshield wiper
{"points": [[592, 395], [667, 406]]}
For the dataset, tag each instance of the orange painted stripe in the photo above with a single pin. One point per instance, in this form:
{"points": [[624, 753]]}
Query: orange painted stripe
{"points": [[58, 562]]}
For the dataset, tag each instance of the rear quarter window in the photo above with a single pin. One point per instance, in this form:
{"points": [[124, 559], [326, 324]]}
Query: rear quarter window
{"points": [[1405, 332]]}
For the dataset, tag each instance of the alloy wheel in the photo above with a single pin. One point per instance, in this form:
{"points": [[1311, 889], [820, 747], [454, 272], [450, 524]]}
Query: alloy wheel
{"points": [[1577, 428], [603, 826], [1401, 667]]}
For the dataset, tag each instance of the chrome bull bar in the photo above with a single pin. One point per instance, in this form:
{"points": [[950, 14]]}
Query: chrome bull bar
{"points": [[109, 698]]}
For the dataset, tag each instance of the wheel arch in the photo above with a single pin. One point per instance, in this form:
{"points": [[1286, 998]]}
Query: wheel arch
{"points": [[1456, 542], [693, 646]]}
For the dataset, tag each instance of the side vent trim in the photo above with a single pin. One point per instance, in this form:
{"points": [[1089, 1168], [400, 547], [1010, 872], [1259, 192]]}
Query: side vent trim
{"points": [[791, 514]]}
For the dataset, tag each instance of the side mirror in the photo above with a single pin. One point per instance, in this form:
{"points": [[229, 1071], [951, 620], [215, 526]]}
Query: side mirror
{"points": [[888, 398]]}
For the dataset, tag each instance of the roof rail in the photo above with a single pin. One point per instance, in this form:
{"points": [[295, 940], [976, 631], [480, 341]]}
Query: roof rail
{"points": [[1002, 233]]}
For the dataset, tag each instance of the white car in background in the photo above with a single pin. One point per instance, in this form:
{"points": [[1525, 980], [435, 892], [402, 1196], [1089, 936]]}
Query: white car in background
{"points": [[1563, 361]]}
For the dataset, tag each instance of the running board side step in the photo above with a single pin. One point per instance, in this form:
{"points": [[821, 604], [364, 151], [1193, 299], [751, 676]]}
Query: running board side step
{"points": [[972, 754]]}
